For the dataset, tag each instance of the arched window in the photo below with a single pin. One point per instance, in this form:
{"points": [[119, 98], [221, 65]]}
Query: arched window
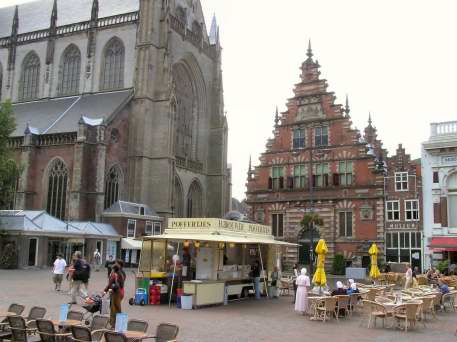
{"points": [[29, 83], [70, 72], [112, 186], [57, 189], [194, 201], [178, 199], [185, 109], [112, 76]]}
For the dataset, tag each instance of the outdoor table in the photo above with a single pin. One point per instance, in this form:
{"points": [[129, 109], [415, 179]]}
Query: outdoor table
{"points": [[65, 324], [7, 313], [134, 335]]}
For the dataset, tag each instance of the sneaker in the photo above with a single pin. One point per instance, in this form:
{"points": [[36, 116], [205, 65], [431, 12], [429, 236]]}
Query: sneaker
{"points": [[71, 303]]}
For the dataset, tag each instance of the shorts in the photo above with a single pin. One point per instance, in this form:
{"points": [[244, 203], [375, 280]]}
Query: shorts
{"points": [[57, 278]]}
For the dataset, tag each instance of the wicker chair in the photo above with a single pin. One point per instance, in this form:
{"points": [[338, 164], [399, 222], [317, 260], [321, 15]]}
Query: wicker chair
{"points": [[137, 325], [81, 333], [111, 336], [437, 302], [371, 295], [98, 327], [382, 300], [17, 309], [448, 301], [166, 332], [342, 305], [353, 302], [19, 330], [408, 313], [375, 311], [75, 315], [47, 331], [35, 313], [427, 306], [327, 308]]}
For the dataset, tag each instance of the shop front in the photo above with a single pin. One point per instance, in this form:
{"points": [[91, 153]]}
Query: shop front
{"points": [[210, 259]]}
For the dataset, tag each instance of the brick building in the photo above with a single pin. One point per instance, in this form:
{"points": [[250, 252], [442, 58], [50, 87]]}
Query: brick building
{"points": [[403, 206], [317, 161]]}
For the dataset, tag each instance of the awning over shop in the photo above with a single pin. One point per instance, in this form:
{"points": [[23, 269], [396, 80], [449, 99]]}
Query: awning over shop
{"points": [[443, 244], [130, 243]]}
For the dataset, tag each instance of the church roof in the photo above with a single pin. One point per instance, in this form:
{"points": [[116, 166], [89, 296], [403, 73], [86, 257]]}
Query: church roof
{"points": [[61, 115], [131, 208], [34, 16]]}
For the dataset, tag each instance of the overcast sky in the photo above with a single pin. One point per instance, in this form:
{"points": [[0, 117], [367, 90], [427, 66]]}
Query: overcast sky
{"points": [[395, 59]]}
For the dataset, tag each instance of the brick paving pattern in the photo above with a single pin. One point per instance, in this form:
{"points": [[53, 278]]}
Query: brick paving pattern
{"points": [[240, 321]]}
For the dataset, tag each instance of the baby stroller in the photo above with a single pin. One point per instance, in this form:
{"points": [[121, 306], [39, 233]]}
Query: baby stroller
{"points": [[93, 304]]}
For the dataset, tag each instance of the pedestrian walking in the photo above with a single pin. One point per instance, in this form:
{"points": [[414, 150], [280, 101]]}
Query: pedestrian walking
{"points": [[79, 277], [274, 283], [97, 260], [301, 297], [115, 288], [409, 277], [294, 279], [256, 276], [109, 264], [58, 270]]}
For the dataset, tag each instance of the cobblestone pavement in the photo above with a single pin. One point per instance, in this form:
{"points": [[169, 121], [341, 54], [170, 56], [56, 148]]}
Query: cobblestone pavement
{"points": [[247, 320]]}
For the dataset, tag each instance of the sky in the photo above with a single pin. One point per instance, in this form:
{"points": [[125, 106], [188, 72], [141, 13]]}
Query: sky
{"points": [[395, 59]]}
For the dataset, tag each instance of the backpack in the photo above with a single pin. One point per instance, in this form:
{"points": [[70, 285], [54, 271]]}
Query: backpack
{"points": [[82, 272]]}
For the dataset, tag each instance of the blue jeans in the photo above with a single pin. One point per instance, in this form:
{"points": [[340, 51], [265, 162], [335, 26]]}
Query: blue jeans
{"points": [[257, 287]]}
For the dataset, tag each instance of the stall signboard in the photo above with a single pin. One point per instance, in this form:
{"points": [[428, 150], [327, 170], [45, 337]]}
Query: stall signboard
{"points": [[208, 225]]}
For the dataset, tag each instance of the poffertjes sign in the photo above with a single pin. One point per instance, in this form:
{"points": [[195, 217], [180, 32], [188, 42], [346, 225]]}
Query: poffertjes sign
{"points": [[213, 224]]}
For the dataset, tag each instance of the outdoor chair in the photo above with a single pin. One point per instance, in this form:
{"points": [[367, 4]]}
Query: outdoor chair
{"points": [[371, 295], [284, 286], [165, 332], [382, 300], [327, 308], [427, 306], [19, 330], [448, 301], [375, 311], [407, 313], [342, 305], [98, 326], [437, 301], [14, 308], [111, 336], [81, 333], [35, 313], [353, 302], [137, 325], [47, 331], [75, 315]]}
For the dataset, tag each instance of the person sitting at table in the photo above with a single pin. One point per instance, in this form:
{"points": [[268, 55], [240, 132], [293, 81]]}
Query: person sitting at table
{"points": [[339, 291], [443, 287], [349, 283], [352, 289]]}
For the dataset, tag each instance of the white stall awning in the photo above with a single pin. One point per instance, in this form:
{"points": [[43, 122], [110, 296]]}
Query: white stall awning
{"points": [[130, 243]]}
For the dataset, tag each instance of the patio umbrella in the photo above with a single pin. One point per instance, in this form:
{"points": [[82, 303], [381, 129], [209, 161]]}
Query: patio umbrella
{"points": [[374, 270], [319, 278]]}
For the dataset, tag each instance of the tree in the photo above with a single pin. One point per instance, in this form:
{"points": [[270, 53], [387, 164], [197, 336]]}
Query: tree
{"points": [[311, 218], [9, 171], [338, 265]]}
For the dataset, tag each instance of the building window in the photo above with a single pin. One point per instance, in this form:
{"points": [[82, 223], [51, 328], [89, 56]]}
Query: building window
{"points": [[299, 176], [70, 71], [148, 228], [393, 210], [157, 228], [277, 177], [401, 181], [112, 187], [392, 240], [260, 216], [277, 224], [29, 84], [345, 223], [436, 177], [320, 177], [178, 200], [411, 210], [345, 172], [112, 76], [195, 200], [321, 136], [299, 138], [131, 228], [404, 240], [57, 189]]}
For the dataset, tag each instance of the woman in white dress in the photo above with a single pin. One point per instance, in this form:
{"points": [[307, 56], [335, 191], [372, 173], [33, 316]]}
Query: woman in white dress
{"points": [[409, 277], [301, 299]]}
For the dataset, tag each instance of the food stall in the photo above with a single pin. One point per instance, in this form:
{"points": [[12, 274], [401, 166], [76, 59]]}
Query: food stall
{"points": [[211, 258]]}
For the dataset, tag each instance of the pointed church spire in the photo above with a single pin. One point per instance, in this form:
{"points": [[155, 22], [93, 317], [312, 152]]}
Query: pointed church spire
{"points": [[346, 107], [213, 31], [94, 12], [369, 119], [250, 165], [15, 25], [276, 117], [13, 40], [309, 53], [53, 24]]}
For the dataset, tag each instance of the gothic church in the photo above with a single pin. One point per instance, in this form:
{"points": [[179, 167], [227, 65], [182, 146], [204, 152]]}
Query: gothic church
{"points": [[115, 100]]}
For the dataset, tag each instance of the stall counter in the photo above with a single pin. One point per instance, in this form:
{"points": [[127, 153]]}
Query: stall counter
{"points": [[205, 292]]}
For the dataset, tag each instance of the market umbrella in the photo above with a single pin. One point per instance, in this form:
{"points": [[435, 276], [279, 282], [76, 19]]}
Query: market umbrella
{"points": [[319, 278], [374, 270]]}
